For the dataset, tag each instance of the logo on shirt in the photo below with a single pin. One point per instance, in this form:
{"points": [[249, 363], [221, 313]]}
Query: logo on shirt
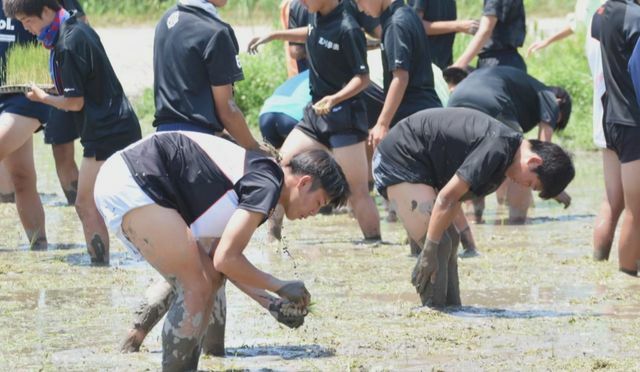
{"points": [[66, 90], [328, 44], [5, 24], [238, 61], [173, 19]]}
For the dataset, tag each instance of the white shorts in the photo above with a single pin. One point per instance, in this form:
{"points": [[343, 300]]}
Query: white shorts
{"points": [[116, 193]]}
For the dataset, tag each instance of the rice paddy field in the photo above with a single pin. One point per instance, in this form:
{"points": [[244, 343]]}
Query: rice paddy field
{"points": [[534, 300]]}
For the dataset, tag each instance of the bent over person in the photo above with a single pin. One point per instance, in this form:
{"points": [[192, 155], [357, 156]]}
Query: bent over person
{"points": [[518, 100], [189, 203], [434, 159]]}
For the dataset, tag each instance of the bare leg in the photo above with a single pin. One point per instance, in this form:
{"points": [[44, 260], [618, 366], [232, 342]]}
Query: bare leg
{"points": [[95, 231], [629, 247], [478, 209], [156, 303], [213, 342], [414, 204], [16, 152], [353, 161], [67, 170], [23, 175], [7, 192], [501, 192], [167, 244], [610, 209], [463, 230], [519, 199]]}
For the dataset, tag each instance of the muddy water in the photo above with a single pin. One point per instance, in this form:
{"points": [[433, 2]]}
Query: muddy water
{"points": [[533, 300]]}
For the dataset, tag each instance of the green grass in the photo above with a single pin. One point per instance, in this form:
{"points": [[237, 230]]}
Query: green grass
{"points": [[537, 8], [125, 12], [27, 64], [262, 75]]}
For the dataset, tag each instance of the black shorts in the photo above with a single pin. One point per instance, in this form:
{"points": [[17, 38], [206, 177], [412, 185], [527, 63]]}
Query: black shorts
{"points": [[505, 57], [623, 140], [102, 149], [373, 98], [61, 127], [345, 125], [20, 105], [388, 173]]}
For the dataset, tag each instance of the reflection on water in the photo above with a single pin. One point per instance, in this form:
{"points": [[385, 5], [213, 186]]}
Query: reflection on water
{"points": [[287, 352]]}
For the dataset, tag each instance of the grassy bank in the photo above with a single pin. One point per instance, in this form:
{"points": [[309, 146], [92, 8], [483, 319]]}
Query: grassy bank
{"points": [[126, 12]]}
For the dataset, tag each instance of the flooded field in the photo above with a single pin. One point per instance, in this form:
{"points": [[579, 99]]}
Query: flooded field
{"points": [[534, 300]]}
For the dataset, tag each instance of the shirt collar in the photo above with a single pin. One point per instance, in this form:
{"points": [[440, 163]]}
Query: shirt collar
{"points": [[386, 15], [201, 4]]}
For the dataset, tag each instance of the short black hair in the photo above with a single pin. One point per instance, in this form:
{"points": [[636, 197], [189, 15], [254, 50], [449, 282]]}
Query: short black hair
{"points": [[556, 170], [454, 75], [29, 8], [326, 173], [564, 104]]}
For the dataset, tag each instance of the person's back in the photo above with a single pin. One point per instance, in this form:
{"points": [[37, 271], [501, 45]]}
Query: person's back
{"points": [[435, 143], [510, 30], [509, 95], [405, 47], [440, 46], [617, 20], [193, 50]]}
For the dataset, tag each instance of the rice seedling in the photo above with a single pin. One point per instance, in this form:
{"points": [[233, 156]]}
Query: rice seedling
{"points": [[26, 64]]}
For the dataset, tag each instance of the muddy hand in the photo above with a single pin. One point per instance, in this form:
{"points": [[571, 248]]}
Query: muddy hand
{"points": [[296, 292], [564, 199], [278, 309], [426, 266]]}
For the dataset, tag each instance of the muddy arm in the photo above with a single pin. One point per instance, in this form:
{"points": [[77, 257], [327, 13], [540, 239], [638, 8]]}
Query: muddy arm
{"points": [[446, 207], [258, 295]]}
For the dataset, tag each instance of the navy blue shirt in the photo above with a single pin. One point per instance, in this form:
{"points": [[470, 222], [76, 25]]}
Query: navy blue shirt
{"points": [[617, 25], [509, 95], [336, 50], [439, 143], [510, 29], [193, 50], [86, 72], [440, 46], [404, 46]]}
